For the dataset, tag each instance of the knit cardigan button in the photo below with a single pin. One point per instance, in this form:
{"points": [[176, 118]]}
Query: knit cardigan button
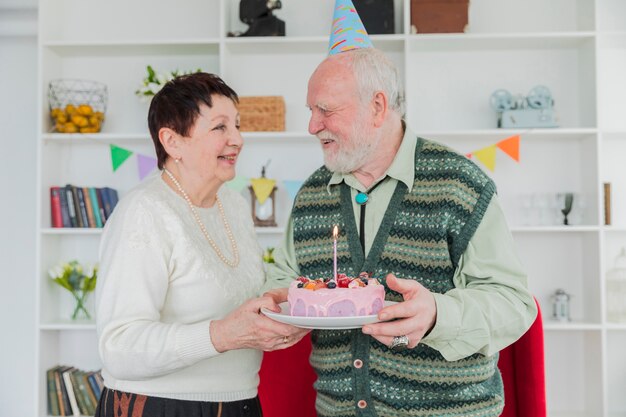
{"points": [[362, 404], [358, 363]]}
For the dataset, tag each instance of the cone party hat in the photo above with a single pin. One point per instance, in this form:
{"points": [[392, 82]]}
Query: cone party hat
{"points": [[347, 30]]}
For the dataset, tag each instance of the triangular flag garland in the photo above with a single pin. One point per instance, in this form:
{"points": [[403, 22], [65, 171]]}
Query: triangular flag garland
{"points": [[347, 30], [238, 183], [119, 156], [487, 155], [262, 188], [510, 146], [292, 186], [145, 164]]}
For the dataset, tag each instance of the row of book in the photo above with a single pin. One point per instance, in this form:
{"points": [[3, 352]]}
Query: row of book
{"points": [[72, 392], [72, 206]]}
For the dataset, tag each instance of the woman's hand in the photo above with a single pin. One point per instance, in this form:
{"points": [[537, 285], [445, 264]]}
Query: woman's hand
{"points": [[248, 328], [278, 294]]}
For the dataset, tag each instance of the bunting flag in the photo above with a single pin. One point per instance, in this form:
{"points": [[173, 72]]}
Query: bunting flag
{"points": [[145, 164], [292, 186], [238, 183], [119, 156], [262, 188], [510, 146], [487, 156]]}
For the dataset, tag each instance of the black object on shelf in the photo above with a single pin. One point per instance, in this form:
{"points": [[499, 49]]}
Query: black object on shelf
{"points": [[377, 15], [258, 15]]}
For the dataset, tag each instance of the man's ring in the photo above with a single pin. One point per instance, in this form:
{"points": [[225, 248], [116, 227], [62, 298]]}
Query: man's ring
{"points": [[286, 339], [399, 343]]}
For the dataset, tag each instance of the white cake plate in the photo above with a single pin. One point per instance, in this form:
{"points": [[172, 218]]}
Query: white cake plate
{"points": [[322, 323]]}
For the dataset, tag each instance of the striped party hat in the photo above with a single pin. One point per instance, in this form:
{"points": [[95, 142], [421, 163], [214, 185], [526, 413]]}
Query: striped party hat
{"points": [[347, 30]]}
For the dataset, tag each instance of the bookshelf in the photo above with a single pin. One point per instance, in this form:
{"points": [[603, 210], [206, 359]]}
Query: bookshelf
{"points": [[576, 48]]}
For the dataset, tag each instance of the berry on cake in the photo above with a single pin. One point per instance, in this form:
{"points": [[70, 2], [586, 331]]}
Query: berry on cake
{"points": [[343, 297]]}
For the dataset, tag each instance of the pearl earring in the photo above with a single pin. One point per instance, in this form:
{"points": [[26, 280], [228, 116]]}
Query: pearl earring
{"points": [[177, 160]]}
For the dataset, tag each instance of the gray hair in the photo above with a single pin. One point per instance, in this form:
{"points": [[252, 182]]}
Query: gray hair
{"points": [[374, 71]]}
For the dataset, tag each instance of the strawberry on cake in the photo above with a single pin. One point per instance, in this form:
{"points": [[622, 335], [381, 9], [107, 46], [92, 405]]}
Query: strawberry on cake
{"points": [[345, 297]]}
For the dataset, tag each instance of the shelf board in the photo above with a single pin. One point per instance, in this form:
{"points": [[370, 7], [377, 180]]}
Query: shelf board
{"points": [[305, 137], [431, 42], [496, 134], [134, 48], [558, 326], [554, 229], [616, 326], [303, 44], [71, 231], [94, 138], [68, 325]]}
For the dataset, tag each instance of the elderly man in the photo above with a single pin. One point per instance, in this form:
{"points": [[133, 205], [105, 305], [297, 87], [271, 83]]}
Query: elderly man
{"points": [[427, 222]]}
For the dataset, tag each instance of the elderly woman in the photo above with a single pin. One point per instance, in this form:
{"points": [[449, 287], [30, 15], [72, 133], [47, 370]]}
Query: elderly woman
{"points": [[179, 328]]}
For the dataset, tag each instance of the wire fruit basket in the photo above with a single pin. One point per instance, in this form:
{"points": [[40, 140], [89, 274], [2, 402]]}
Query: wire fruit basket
{"points": [[77, 106]]}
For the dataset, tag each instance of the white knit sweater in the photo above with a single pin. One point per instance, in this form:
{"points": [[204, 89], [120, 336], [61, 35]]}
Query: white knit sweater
{"points": [[160, 284]]}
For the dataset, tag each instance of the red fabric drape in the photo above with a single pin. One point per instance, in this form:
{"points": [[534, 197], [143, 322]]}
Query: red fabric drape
{"points": [[523, 373], [286, 388]]}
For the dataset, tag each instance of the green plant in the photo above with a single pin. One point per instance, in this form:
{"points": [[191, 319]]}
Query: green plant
{"points": [[268, 256], [77, 280], [154, 81]]}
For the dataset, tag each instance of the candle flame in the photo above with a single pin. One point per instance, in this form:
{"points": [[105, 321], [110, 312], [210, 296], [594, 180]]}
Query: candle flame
{"points": [[335, 232]]}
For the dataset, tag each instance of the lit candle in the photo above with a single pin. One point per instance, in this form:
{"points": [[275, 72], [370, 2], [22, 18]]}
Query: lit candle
{"points": [[335, 233]]}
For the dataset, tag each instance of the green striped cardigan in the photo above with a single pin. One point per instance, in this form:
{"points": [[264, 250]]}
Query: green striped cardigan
{"points": [[422, 236]]}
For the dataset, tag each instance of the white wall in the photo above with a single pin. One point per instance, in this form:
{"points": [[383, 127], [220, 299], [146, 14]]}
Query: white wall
{"points": [[18, 86]]}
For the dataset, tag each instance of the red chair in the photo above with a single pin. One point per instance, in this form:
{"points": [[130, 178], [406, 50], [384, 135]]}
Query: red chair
{"points": [[286, 388], [523, 373]]}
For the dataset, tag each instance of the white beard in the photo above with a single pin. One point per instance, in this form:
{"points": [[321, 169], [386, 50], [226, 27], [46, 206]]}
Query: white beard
{"points": [[353, 152]]}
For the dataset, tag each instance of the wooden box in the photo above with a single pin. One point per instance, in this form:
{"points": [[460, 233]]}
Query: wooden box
{"points": [[439, 16], [262, 114]]}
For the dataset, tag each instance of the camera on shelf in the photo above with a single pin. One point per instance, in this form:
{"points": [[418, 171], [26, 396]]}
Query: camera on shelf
{"points": [[534, 110], [258, 15]]}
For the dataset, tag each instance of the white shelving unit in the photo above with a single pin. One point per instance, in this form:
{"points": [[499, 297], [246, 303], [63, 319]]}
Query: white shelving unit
{"points": [[576, 48]]}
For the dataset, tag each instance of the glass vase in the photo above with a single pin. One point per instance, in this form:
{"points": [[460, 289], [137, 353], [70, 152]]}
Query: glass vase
{"points": [[80, 310]]}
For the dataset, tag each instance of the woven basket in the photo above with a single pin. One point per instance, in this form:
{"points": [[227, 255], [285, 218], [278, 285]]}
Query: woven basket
{"points": [[262, 114]]}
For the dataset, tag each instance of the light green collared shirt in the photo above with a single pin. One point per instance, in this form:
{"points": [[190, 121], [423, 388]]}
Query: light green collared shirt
{"points": [[490, 306]]}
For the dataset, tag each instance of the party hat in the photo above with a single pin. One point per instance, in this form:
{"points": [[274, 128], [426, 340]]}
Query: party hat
{"points": [[347, 31]]}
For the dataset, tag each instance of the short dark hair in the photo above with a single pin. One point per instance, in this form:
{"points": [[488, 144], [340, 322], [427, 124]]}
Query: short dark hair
{"points": [[177, 105]]}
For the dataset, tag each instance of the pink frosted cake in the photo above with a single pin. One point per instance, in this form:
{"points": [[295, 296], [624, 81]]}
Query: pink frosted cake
{"points": [[343, 298]]}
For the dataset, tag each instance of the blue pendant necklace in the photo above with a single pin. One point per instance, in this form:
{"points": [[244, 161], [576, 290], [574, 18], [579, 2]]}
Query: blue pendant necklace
{"points": [[361, 199]]}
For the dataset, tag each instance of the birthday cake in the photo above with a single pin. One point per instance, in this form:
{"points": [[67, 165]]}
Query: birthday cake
{"points": [[343, 297]]}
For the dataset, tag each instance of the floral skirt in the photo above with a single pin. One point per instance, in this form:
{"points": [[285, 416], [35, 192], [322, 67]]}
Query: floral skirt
{"points": [[123, 404]]}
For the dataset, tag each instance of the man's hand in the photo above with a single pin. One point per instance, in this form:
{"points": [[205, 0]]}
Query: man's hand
{"points": [[415, 316]]}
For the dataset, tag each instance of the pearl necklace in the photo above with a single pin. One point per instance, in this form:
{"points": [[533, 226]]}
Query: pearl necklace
{"points": [[229, 233]]}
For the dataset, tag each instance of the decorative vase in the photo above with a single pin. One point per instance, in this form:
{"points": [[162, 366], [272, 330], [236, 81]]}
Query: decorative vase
{"points": [[80, 311]]}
